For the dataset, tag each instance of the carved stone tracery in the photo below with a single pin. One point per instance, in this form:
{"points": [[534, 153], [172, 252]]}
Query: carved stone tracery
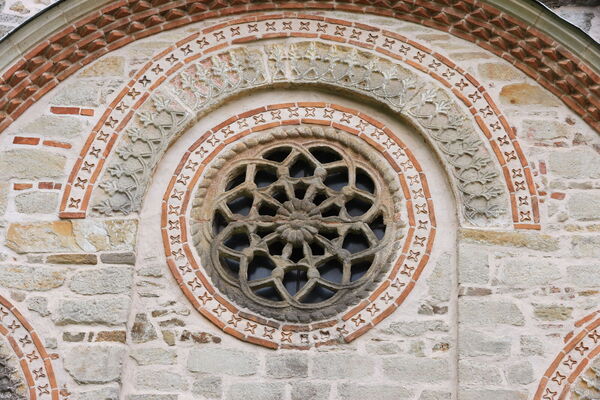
{"points": [[297, 230]]}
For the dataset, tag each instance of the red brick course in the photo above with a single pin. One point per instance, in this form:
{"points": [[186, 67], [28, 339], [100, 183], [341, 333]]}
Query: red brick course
{"points": [[530, 50]]}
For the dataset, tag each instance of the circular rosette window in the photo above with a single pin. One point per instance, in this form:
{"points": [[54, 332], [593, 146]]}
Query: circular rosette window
{"points": [[299, 230]]}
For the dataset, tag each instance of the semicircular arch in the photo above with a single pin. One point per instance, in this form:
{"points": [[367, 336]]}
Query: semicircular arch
{"points": [[479, 150]]}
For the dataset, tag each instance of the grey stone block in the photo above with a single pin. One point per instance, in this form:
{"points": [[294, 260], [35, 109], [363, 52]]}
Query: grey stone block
{"points": [[407, 369], [118, 258], [210, 387], [292, 365], [473, 343], [94, 364], [160, 380], [36, 202], [584, 206], [31, 164], [110, 280], [350, 391], [153, 356], [307, 390], [342, 366], [109, 311], [256, 391], [31, 277], [230, 362], [489, 312]]}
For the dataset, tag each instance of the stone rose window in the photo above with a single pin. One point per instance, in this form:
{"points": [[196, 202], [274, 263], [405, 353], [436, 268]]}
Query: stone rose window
{"points": [[296, 230]]}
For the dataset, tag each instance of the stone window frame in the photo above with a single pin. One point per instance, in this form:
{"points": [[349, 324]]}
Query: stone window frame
{"points": [[381, 302]]}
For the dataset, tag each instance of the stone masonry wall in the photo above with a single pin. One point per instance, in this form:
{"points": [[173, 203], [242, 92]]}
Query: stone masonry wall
{"points": [[492, 310]]}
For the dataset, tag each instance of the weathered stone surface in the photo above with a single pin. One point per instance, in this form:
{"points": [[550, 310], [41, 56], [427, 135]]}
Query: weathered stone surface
{"points": [[473, 343], [111, 235], [520, 94], [552, 312], [417, 328], [351, 391], [74, 258], [256, 391], [585, 246], [57, 126], [533, 241], [210, 387], [38, 304], [153, 397], [542, 130], [153, 356], [110, 280], [111, 336], [109, 393], [292, 365], [527, 273], [520, 373], [440, 280], [431, 395], [94, 364], [73, 336], [478, 373], [78, 94], [118, 258], [4, 188], [31, 277], [106, 66], [498, 71], [199, 337], [584, 275], [531, 346], [109, 310], [72, 236], [31, 164], [36, 202], [407, 369], [383, 348], [42, 237], [576, 163], [492, 394], [160, 380], [230, 362], [122, 234], [307, 390], [585, 206], [142, 330], [489, 312], [341, 366], [473, 264]]}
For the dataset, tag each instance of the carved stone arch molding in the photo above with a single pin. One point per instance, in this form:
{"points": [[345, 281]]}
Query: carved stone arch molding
{"points": [[478, 148]]}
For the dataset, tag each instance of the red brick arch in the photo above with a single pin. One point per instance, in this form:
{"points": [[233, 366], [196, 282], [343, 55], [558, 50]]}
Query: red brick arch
{"points": [[34, 360], [581, 348], [122, 22]]}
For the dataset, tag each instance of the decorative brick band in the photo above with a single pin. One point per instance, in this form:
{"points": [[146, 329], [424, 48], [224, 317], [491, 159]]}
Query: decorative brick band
{"points": [[572, 361], [35, 362], [123, 22], [493, 126], [385, 299]]}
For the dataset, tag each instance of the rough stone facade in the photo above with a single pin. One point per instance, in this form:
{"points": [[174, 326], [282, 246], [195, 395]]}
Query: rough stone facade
{"points": [[118, 149]]}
